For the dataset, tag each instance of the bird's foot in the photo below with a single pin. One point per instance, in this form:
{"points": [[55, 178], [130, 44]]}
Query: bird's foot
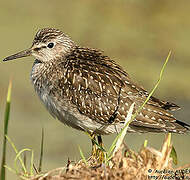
{"points": [[98, 151], [100, 155], [94, 150]]}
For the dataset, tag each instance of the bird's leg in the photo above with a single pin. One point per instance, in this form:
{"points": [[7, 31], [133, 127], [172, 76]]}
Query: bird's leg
{"points": [[100, 142], [93, 140], [97, 147], [100, 150]]}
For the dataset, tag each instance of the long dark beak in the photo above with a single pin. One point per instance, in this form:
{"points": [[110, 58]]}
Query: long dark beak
{"points": [[21, 54]]}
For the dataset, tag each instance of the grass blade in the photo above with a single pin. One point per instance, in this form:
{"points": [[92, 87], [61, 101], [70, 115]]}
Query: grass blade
{"points": [[173, 155], [6, 122], [16, 151], [41, 152], [31, 163], [156, 85], [124, 131], [118, 138], [82, 155], [18, 156], [10, 169], [145, 143]]}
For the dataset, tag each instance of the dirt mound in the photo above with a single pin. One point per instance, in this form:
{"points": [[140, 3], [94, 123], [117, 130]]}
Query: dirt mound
{"points": [[148, 163]]}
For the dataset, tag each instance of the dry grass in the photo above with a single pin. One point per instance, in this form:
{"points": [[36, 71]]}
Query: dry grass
{"points": [[126, 164]]}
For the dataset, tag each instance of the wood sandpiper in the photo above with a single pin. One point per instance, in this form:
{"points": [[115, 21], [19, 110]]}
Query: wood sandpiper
{"points": [[86, 90]]}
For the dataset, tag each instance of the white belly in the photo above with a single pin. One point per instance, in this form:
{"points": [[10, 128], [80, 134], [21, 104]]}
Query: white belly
{"points": [[69, 115]]}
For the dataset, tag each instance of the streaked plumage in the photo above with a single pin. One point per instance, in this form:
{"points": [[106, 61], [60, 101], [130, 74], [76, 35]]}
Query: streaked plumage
{"points": [[88, 91]]}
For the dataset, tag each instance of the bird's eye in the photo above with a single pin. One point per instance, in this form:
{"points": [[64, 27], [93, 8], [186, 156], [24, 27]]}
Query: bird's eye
{"points": [[50, 45]]}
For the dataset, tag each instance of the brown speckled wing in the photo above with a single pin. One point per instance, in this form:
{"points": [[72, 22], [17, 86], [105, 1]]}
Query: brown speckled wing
{"points": [[103, 91], [94, 84]]}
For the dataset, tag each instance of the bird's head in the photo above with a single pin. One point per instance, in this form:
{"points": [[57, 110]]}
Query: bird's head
{"points": [[48, 45]]}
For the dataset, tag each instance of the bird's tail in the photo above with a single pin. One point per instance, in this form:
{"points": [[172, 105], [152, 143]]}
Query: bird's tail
{"points": [[185, 125]]}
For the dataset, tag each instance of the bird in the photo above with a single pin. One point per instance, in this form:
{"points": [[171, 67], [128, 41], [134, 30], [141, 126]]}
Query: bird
{"points": [[89, 91]]}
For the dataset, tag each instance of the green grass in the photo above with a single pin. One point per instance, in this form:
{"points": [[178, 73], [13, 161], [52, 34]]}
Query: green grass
{"points": [[173, 155], [6, 123], [6, 138], [82, 156], [41, 152], [24, 173], [20, 168]]}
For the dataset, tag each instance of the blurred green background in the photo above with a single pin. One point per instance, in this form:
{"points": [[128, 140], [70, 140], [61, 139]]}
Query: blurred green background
{"points": [[136, 34]]}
